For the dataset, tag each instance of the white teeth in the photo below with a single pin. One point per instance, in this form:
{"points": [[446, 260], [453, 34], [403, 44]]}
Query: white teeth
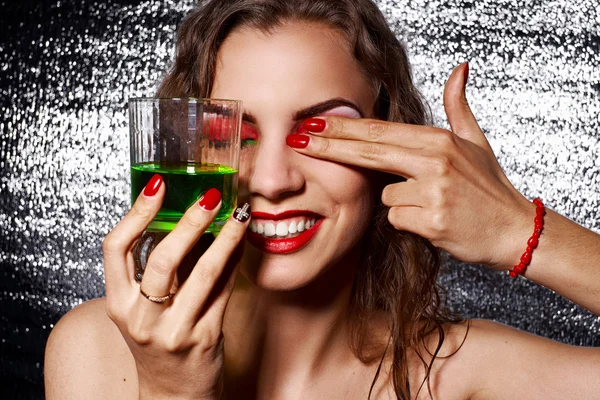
{"points": [[282, 229], [293, 228], [269, 229]]}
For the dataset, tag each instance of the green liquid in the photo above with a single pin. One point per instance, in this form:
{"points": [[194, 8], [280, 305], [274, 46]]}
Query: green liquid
{"points": [[185, 183]]}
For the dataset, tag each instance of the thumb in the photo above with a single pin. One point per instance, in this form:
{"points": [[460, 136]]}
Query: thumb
{"points": [[461, 119]]}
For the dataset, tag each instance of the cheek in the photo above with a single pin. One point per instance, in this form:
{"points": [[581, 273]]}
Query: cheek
{"points": [[246, 161], [348, 187]]}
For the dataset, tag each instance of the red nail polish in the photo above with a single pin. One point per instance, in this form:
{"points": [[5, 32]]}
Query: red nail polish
{"points": [[466, 72], [314, 125], [297, 141], [153, 185], [210, 199]]}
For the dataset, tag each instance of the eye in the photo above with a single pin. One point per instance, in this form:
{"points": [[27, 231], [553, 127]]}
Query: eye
{"points": [[249, 135]]}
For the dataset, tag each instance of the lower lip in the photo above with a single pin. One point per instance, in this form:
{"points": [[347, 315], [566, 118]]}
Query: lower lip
{"points": [[283, 246]]}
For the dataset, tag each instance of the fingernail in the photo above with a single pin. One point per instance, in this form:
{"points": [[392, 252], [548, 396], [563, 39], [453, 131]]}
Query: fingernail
{"points": [[297, 141], [153, 185], [314, 125], [242, 213], [210, 199], [466, 72]]}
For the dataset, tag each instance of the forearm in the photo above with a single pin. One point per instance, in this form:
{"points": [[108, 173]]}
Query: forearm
{"points": [[567, 260]]}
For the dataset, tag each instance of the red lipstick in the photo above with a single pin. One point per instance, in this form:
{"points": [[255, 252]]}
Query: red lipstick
{"points": [[283, 245]]}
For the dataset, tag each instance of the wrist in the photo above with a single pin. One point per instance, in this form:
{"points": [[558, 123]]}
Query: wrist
{"points": [[516, 237]]}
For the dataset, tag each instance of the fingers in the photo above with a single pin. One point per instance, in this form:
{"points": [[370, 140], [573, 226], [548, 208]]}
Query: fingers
{"points": [[461, 119], [121, 239], [412, 219], [167, 256], [214, 307], [401, 149], [375, 131], [409, 193], [193, 295], [455, 101], [408, 163]]}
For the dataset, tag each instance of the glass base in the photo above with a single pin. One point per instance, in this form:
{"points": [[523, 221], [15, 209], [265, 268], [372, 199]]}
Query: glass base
{"points": [[155, 234]]}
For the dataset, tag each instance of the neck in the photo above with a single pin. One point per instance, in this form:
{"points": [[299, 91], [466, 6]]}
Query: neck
{"points": [[293, 334]]}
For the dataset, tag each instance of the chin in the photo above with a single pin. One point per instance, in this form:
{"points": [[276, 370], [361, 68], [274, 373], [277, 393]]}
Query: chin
{"points": [[278, 272], [301, 270]]}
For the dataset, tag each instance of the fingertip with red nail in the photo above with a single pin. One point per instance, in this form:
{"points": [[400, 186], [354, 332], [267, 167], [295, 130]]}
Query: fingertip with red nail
{"points": [[210, 200], [297, 141], [153, 185], [315, 125]]}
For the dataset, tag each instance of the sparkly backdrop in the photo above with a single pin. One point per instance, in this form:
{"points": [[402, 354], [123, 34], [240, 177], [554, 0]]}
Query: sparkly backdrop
{"points": [[68, 67]]}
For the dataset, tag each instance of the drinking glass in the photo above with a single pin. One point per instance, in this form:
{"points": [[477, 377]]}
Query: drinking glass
{"points": [[194, 144]]}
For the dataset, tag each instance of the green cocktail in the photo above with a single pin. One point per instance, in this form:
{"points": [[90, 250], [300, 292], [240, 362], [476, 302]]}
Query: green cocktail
{"points": [[185, 183]]}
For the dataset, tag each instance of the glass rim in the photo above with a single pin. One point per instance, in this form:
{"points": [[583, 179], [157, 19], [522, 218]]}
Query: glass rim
{"points": [[188, 99]]}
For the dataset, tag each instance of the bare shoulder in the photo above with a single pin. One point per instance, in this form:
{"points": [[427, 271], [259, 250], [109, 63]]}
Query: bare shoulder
{"points": [[481, 359], [86, 357], [506, 363]]}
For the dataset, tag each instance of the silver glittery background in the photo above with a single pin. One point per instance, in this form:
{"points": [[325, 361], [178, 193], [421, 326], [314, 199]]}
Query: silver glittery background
{"points": [[68, 67]]}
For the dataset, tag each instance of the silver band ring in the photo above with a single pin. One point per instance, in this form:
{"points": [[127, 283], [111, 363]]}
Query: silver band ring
{"points": [[156, 299]]}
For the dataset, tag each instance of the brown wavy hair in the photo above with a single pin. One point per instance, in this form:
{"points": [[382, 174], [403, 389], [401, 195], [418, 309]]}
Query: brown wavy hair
{"points": [[398, 272]]}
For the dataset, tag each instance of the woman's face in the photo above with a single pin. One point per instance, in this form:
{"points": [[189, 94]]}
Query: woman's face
{"points": [[308, 214]]}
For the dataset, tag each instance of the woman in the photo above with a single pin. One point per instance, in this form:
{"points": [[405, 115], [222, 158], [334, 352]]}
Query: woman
{"points": [[335, 139]]}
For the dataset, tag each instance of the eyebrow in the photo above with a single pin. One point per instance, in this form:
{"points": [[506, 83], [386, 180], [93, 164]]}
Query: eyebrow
{"points": [[315, 109]]}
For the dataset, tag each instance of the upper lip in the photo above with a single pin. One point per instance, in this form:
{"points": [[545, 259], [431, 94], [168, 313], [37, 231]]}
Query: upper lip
{"points": [[284, 215]]}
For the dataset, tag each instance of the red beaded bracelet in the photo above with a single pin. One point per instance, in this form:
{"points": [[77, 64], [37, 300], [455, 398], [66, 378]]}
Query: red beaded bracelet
{"points": [[533, 241]]}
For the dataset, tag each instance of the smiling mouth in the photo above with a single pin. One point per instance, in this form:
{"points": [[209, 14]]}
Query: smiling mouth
{"points": [[283, 233]]}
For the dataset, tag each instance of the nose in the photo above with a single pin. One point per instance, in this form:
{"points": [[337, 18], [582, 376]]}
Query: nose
{"points": [[275, 171]]}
